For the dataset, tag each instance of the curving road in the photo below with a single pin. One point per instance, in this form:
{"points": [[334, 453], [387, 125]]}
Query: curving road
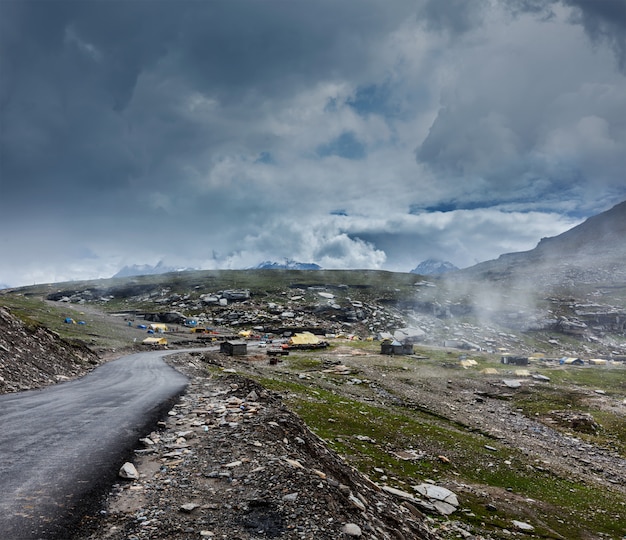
{"points": [[61, 446]]}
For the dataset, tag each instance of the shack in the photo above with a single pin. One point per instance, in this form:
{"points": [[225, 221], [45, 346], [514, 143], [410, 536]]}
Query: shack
{"points": [[234, 348], [395, 347], [514, 360]]}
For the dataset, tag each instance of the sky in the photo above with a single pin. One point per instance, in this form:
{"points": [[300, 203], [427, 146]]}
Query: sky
{"points": [[355, 134]]}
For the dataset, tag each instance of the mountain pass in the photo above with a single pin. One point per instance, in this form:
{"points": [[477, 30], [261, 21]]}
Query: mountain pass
{"points": [[62, 446]]}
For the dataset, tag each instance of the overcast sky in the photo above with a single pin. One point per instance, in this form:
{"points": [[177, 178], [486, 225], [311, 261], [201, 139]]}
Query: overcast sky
{"points": [[351, 134]]}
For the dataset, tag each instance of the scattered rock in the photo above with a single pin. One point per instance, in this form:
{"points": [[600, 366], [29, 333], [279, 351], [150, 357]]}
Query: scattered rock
{"points": [[128, 471]]}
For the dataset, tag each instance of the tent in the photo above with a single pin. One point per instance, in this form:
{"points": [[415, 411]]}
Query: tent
{"points": [[158, 327], [304, 338], [155, 342]]}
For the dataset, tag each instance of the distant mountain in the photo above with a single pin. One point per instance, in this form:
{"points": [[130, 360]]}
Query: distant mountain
{"points": [[593, 251], [433, 267], [287, 264], [147, 270], [4, 286]]}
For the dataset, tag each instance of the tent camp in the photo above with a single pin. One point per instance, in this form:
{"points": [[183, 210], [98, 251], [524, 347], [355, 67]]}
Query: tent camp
{"points": [[158, 327], [155, 342]]}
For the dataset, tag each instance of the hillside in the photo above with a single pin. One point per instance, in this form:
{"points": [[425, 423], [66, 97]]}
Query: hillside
{"points": [[33, 356]]}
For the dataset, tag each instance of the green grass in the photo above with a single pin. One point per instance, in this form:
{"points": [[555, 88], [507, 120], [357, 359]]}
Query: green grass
{"points": [[33, 311], [561, 504]]}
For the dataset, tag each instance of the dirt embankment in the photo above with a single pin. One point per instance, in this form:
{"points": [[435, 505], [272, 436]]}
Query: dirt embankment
{"points": [[34, 356]]}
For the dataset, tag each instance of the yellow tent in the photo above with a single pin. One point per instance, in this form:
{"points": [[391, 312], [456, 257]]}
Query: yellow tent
{"points": [[597, 362], [155, 341], [304, 338], [158, 327]]}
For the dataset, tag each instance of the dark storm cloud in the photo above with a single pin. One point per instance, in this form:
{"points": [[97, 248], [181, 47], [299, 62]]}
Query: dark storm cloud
{"points": [[457, 16], [130, 129], [605, 20], [74, 116]]}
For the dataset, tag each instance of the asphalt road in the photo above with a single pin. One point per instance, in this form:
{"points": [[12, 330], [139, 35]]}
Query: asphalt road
{"points": [[62, 446]]}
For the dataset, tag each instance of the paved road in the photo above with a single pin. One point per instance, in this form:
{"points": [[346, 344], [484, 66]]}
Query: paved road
{"points": [[61, 447]]}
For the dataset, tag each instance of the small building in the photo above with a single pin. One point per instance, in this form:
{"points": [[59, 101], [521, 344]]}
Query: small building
{"points": [[234, 348], [236, 295], [395, 347], [514, 360]]}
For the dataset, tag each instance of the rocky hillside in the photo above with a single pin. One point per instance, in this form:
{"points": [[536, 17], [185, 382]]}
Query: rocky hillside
{"points": [[592, 252], [33, 356]]}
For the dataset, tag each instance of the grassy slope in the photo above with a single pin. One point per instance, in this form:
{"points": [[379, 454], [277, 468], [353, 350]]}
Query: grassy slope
{"points": [[558, 506]]}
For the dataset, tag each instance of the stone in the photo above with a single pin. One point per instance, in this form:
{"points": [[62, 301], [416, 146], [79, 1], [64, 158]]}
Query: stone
{"points": [[352, 529], [356, 502], [398, 493], [188, 507], [523, 526], [441, 499], [128, 471]]}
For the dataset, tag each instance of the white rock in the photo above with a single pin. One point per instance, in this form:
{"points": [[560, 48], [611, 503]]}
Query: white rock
{"points": [[351, 529], [437, 493], [398, 493], [523, 526], [356, 502], [128, 471], [444, 507]]}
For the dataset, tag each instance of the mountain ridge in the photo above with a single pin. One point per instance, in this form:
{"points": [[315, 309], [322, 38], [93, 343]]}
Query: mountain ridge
{"points": [[596, 246]]}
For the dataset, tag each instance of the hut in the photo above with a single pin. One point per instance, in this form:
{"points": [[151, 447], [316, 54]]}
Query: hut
{"points": [[234, 348], [395, 347], [514, 360]]}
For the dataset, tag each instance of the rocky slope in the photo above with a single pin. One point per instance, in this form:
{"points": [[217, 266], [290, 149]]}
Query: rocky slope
{"points": [[232, 462], [31, 357]]}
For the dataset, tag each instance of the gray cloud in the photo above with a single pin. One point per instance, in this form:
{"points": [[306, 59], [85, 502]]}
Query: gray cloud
{"points": [[219, 134]]}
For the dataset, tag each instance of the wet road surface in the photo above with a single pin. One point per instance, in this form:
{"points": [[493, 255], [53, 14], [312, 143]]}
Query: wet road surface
{"points": [[61, 446]]}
